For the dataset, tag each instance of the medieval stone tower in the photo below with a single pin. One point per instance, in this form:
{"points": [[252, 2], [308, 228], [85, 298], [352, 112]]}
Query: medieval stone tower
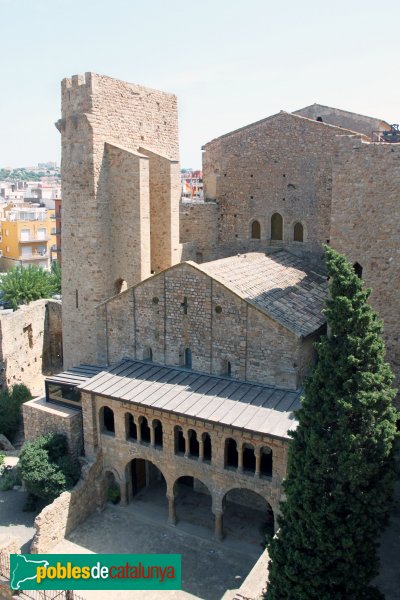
{"points": [[120, 197]]}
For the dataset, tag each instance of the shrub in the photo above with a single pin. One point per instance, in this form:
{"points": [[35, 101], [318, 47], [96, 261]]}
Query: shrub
{"points": [[55, 276], [113, 493], [10, 409], [47, 468], [9, 478]]}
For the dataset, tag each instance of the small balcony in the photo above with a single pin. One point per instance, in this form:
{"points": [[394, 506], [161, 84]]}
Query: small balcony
{"points": [[34, 256], [34, 239]]}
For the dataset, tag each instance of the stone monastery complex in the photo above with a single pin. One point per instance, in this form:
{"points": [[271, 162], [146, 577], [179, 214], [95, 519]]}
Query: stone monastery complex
{"points": [[194, 322]]}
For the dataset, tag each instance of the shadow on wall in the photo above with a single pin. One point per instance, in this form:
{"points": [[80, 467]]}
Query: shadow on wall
{"points": [[52, 356]]}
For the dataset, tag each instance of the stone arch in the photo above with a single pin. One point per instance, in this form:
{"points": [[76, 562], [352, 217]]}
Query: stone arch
{"points": [[158, 432], [298, 232], [231, 454], [143, 473], [255, 230], [266, 461], [179, 440], [148, 354], [276, 226], [249, 457], [207, 446], [247, 515], [193, 501], [145, 434], [131, 432], [107, 421]]}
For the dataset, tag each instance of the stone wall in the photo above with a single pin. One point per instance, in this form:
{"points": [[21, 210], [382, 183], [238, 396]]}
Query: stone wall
{"points": [[8, 545], [279, 165], [41, 417], [149, 320], [365, 225], [67, 511], [344, 118], [98, 190], [30, 344], [199, 223], [127, 180]]}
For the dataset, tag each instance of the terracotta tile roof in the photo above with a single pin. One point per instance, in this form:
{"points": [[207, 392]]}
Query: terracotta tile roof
{"points": [[279, 284]]}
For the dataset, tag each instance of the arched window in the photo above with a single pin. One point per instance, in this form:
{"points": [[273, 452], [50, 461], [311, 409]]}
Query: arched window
{"points": [[358, 269], [206, 447], [193, 443], [148, 354], [107, 419], [276, 227], [120, 285], [249, 458], [298, 232], [255, 230], [130, 427], [144, 430], [158, 433], [231, 453], [188, 358], [266, 461], [180, 443]]}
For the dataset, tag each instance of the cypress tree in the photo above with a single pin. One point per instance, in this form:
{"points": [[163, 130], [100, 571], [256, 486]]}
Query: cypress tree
{"points": [[341, 467]]}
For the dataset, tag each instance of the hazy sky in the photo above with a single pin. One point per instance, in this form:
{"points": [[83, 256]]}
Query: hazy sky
{"points": [[231, 62]]}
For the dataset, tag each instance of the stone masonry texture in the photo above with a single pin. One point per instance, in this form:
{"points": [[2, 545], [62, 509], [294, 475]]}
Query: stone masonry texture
{"points": [[30, 344], [104, 123]]}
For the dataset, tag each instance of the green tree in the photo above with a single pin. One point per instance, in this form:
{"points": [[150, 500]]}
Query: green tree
{"points": [[340, 465], [47, 468], [10, 409], [55, 275], [22, 285]]}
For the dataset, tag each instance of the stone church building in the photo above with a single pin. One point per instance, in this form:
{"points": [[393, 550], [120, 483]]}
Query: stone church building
{"points": [[194, 322]]}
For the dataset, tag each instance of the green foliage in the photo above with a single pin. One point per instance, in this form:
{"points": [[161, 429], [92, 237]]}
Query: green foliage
{"points": [[9, 478], [22, 285], [22, 174], [10, 409], [55, 276], [46, 467], [113, 493], [340, 465], [2, 458]]}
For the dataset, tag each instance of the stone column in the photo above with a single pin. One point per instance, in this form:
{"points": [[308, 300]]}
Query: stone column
{"points": [[240, 458], [138, 431], [119, 422], [257, 452], [218, 525], [201, 448], [186, 436], [152, 435], [124, 493], [171, 511]]}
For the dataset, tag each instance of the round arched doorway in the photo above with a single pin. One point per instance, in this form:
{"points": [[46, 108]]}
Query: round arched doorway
{"points": [[147, 485], [193, 503], [248, 517]]}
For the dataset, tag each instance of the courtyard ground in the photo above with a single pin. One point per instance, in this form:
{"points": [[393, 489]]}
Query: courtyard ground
{"points": [[15, 522], [209, 568]]}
